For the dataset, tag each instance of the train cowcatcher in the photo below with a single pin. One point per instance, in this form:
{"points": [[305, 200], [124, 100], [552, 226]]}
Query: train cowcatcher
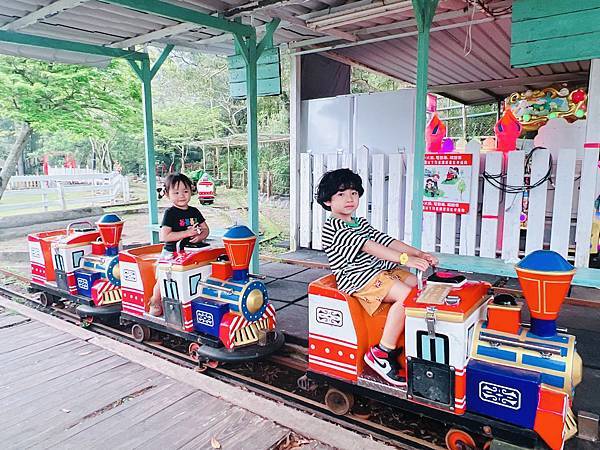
{"points": [[468, 359]]}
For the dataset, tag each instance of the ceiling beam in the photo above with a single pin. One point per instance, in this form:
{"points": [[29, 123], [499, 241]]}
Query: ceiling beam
{"points": [[259, 5], [171, 11], [40, 14], [13, 37], [155, 35], [509, 82]]}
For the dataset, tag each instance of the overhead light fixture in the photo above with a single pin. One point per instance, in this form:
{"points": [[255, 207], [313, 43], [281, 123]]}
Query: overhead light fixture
{"points": [[367, 12]]}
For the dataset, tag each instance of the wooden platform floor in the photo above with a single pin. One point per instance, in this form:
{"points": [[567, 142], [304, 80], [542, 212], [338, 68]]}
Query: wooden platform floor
{"points": [[58, 391]]}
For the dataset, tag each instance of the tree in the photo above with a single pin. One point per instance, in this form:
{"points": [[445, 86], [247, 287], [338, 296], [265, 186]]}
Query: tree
{"points": [[50, 97]]}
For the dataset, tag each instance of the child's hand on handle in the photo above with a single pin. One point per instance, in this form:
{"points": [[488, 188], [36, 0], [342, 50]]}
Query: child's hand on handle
{"points": [[432, 260], [417, 263]]}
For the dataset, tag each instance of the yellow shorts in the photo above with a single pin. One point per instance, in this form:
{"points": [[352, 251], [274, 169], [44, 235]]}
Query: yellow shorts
{"points": [[372, 294]]}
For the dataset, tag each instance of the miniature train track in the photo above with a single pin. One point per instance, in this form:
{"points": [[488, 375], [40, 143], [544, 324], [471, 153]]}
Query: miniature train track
{"points": [[355, 422]]}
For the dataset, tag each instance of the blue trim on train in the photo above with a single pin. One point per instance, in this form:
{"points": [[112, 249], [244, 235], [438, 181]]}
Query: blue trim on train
{"points": [[553, 380], [536, 361], [496, 353]]}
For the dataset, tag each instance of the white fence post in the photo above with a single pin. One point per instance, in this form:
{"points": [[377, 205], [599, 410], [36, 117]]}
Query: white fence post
{"points": [[61, 196], [305, 199], [395, 213], [363, 169], [379, 195], [468, 222], [536, 211], [318, 213], [563, 199], [512, 208]]}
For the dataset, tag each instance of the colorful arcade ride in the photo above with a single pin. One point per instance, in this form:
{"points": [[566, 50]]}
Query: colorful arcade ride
{"points": [[79, 264], [469, 360], [210, 301]]}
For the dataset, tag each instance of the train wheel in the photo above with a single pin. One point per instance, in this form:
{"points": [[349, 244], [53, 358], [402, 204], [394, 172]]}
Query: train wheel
{"points": [[86, 322], [459, 440], [338, 402], [193, 351], [46, 299], [140, 333], [212, 364]]}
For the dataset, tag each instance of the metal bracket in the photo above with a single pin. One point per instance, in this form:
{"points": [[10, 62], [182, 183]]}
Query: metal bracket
{"points": [[587, 424], [430, 320]]}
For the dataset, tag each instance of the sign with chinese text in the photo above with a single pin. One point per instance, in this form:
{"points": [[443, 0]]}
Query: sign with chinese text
{"points": [[447, 182]]}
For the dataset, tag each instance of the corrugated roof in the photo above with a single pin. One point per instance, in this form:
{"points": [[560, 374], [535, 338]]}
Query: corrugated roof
{"points": [[469, 50]]}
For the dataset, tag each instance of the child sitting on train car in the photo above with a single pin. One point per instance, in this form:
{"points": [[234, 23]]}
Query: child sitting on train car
{"points": [[365, 264], [181, 222]]}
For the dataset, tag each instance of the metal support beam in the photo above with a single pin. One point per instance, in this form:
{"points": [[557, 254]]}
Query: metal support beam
{"points": [[146, 74], [251, 51], [175, 12], [70, 46], [40, 14], [424, 12]]}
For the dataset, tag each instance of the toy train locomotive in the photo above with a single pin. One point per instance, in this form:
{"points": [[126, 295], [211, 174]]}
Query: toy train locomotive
{"points": [[81, 264], [209, 299], [468, 359]]}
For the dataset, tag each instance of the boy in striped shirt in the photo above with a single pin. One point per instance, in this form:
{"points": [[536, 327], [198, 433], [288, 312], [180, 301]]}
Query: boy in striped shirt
{"points": [[365, 264]]}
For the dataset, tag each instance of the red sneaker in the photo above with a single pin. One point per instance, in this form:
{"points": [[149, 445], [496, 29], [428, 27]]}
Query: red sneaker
{"points": [[385, 364]]}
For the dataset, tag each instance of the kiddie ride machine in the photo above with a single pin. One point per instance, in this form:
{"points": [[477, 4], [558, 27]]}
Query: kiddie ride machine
{"points": [[468, 360], [79, 264], [210, 301]]}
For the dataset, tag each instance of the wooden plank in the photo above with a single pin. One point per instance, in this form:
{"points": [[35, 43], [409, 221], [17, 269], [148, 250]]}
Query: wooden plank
{"points": [[563, 198], [523, 10], [239, 431], [128, 414], [512, 208], [562, 49], [379, 195], [363, 169], [448, 233], [396, 196], [305, 199], [490, 207], [429, 238], [318, 213], [409, 158], [589, 184], [42, 342], [11, 320], [197, 411], [536, 216], [468, 222], [347, 161], [332, 161], [574, 23]]}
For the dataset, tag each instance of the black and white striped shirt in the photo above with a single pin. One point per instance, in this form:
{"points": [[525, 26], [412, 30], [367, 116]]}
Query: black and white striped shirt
{"points": [[343, 243]]}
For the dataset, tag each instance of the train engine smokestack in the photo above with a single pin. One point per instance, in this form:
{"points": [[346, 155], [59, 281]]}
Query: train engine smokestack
{"points": [[545, 278], [239, 243], [110, 227]]}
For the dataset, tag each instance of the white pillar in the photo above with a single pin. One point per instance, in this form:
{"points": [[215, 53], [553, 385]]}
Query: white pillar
{"points": [[295, 124], [588, 187]]}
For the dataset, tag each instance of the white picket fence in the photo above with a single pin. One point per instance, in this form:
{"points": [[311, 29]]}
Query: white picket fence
{"points": [[557, 217], [64, 191]]}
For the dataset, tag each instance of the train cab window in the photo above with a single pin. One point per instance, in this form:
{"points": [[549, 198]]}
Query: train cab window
{"points": [[171, 290], [195, 284], [77, 258], [59, 263], [436, 349]]}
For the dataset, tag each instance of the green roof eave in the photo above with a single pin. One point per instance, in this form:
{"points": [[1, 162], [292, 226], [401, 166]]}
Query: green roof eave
{"points": [[78, 47]]}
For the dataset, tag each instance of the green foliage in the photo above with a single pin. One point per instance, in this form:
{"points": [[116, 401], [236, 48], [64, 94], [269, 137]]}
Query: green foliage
{"points": [[364, 81], [80, 100]]}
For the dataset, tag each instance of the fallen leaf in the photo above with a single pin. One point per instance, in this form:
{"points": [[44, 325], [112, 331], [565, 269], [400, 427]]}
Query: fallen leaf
{"points": [[214, 443]]}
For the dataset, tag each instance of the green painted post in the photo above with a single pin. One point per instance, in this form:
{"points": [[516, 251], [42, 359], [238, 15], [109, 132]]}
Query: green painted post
{"points": [[252, 110], [424, 11], [146, 76]]}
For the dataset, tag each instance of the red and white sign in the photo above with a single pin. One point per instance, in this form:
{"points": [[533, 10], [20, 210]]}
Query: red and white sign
{"points": [[447, 184]]}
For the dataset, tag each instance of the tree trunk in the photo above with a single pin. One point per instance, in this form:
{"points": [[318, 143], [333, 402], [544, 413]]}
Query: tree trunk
{"points": [[229, 180], [10, 164]]}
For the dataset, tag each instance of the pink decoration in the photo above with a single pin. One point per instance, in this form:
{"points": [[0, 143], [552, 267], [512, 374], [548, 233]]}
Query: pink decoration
{"points": [[507, 129], [447, 145], [434, 133], [431, 103]]}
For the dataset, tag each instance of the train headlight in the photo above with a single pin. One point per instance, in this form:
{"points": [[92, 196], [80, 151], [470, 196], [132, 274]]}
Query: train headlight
{"points": [[255, 300]]}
